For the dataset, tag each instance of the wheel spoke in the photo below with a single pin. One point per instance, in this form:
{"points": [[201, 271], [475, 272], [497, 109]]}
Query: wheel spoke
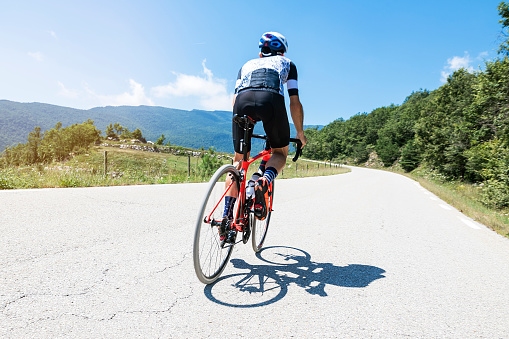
{"points": [[209, 257]]}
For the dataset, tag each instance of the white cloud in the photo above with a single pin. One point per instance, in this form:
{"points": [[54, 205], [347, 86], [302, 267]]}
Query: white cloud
{"points": [[53, 34], [482, 55], [135, 97], [210, 92], [67, 93], [457, 62], [36, 55], [202, 91]]}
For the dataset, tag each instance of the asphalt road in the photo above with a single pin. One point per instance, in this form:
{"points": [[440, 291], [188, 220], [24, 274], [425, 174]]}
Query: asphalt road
{"points": [[363, 254]]}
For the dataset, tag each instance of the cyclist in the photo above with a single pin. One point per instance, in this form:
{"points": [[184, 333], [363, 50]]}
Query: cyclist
{"points": [[259, 94]]}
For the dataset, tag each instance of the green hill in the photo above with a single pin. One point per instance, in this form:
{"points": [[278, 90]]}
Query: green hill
{"points": [[193, 129]]}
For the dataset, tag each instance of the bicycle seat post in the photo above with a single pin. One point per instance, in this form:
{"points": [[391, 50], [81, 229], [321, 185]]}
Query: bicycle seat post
{"points": [[244, 142], [246, 123]]}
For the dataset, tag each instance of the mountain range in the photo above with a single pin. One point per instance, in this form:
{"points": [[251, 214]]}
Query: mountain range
{"points": [[194, 129]]}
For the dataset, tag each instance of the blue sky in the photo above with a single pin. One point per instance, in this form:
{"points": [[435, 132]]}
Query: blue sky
{"points": [[351, 56]]}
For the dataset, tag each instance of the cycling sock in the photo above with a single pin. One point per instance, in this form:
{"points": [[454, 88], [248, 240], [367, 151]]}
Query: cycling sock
{"points": [[270, 174], [229, 202]]}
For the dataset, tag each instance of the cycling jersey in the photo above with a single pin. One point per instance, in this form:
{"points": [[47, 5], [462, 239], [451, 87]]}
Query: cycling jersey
{"points": [[268, 74]]}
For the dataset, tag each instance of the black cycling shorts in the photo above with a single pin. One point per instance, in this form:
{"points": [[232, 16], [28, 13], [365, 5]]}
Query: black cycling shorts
{"points": [[267, 107]]}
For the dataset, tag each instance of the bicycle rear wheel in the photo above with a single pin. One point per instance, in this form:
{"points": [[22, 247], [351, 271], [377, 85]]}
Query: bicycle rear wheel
{"points": [[209, 257], [259, 228]]}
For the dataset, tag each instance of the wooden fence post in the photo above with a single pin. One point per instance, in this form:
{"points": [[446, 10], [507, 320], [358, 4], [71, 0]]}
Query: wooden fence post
{"points": [[105, 163], [188, 165]]}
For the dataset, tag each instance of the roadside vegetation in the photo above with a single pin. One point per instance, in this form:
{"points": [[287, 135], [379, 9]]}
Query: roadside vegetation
{"points": [[77, 156], [124, 167]]}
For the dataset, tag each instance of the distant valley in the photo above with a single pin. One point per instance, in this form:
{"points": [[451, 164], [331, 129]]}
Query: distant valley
{"points": [[194, 129]]}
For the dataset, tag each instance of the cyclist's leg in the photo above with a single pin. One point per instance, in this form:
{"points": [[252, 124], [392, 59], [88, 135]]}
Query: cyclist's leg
{"points": [[277, 128], [278, 158], [236, 162]]}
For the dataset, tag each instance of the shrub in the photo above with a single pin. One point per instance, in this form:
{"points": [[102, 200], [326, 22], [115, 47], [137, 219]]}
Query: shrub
{"points": [[495, 193], [209, 164], [410, 157], [489, 161]]}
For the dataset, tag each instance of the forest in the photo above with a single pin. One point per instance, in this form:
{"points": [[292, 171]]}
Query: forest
{"points": [[459, 131]]}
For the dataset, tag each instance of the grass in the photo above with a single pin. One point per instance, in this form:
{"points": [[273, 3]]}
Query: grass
{"points": [[131, 167]]}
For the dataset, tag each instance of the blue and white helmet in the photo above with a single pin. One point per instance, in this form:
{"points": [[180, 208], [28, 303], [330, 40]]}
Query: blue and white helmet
{"points": [[275, 41]]}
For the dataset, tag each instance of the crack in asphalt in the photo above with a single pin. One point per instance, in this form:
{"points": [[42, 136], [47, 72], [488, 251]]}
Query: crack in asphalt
{"points": [[13, 301], [179, 263], [90, 289], [86, 290], [167, 310], [55, 253]]}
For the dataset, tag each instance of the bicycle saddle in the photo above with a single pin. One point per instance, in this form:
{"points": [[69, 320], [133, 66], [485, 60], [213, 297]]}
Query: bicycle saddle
{"points": [[243, 120]]}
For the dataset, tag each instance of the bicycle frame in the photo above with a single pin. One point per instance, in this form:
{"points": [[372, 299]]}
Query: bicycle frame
{"points": [[238, 219], [238, 215], [265, 154]]}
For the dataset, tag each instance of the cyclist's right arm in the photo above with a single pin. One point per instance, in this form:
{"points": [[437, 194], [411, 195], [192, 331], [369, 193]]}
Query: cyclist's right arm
{"points": [[297, 113]]}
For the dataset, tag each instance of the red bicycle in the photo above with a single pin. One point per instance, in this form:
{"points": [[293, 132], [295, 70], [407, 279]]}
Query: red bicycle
{"points": [[210, 255]]}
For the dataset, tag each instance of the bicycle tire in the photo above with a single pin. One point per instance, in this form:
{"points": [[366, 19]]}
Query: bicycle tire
{"points": [[209, 257], [259, 228]]}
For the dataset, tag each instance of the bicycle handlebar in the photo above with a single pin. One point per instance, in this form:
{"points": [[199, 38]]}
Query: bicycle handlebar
{"points": [[298, 152]]}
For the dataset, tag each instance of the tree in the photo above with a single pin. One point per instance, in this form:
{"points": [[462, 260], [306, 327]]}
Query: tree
{"points": [[503, 11], [136, 134], [489, 114], [410, 157], [119, 128], [387, 150], [34, 140], [443, 131], [161, 139], [110, 132]]}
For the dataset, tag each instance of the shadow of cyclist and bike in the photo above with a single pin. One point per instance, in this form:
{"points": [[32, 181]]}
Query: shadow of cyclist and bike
{"points": [[264, 284]]}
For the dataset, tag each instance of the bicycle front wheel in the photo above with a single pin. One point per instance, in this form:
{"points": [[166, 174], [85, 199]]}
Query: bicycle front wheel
{"points": [[209, 257], [259, 228]]}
